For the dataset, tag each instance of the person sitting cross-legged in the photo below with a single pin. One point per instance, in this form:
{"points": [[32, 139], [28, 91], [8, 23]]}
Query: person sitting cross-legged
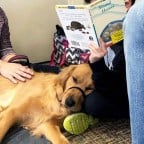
{"points": [[110, 98]]}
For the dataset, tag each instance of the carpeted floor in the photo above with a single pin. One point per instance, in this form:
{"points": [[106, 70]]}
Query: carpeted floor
{"points": [[105, 132], [110, 131]]}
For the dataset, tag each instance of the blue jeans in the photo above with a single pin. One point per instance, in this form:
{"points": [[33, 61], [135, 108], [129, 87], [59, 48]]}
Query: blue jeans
{"points": [[134, 54]]}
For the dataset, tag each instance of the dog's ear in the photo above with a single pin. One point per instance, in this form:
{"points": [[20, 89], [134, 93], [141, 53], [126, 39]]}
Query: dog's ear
{"points": [[59, 91], [62, 78], [66, 73]]}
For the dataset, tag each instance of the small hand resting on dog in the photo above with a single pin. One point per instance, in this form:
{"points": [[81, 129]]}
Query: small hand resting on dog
{"points": [[15, 72]]}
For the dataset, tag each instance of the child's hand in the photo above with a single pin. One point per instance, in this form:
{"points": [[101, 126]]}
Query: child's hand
{"points": [[97, 52]]}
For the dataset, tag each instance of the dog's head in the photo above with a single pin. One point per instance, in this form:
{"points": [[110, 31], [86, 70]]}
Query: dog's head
{"points": [[76, 82]]}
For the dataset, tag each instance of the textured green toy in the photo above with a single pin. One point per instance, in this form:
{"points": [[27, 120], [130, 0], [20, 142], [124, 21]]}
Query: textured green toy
{"points": [[77, 123]]}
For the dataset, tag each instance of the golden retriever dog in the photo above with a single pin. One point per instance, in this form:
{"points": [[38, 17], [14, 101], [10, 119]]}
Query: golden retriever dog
{"points": [[41, 104]]}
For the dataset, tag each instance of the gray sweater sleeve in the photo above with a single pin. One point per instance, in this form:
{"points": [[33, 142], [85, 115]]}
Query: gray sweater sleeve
{"points": [[5, 43]]}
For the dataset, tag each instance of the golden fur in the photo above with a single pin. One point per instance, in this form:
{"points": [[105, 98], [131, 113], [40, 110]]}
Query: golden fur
{"points": [[40, 104]]}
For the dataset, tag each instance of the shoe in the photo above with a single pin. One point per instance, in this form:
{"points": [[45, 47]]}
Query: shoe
{"points": [[78, 123]]}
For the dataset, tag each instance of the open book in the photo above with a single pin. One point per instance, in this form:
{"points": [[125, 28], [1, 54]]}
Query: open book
{"points": [[85, 23]]}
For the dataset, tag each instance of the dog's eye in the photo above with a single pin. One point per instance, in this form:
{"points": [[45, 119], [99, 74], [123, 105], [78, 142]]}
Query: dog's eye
{"points": [[75, 79]]}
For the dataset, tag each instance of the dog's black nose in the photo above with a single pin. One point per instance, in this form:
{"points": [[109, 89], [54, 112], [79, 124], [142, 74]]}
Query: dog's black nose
{"points": [[69, 102]]}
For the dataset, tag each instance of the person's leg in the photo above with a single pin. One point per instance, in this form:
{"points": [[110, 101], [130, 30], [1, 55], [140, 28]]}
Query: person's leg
{"points": [[134, 53], [19, 135], [105, 106]]}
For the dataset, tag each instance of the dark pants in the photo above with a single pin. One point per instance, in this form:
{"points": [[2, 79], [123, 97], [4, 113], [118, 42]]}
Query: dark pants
{"points": [[18, 135], [105, 106]]}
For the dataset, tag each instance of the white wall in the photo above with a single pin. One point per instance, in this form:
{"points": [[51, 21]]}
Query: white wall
{"points": [[32, 24], [75, 1]]}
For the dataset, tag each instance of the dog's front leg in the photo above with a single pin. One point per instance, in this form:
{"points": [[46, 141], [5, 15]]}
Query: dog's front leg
{"points": [[7, 119], [52, 132]]}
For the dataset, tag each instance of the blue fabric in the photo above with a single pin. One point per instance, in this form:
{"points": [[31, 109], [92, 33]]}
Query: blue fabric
{"points": [[18, 135], [134, 54]]}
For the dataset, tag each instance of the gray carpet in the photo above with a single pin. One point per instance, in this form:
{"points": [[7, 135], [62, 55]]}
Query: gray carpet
{"points": [[110, 131]]}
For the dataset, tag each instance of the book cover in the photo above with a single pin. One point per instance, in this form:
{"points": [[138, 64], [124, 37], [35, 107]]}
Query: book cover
{"points": [[85, 23]]}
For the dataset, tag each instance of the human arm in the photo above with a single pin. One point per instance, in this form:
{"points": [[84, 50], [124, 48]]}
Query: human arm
{"points": [[12, 71], [5, 43], [106, 79]]}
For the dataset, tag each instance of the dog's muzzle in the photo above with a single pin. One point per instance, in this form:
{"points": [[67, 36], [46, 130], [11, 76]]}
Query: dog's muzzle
{"points": [[69, 101]]}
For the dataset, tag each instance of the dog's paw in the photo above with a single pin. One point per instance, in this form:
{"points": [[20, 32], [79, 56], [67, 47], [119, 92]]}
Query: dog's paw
{"points": [[1, 138], [64, 140], [36, 134]]}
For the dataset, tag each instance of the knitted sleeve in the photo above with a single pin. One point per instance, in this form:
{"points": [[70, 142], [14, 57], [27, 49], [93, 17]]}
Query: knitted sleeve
{"points": [[5, 43]]}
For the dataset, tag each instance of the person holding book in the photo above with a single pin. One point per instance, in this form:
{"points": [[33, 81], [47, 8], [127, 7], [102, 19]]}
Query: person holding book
{"points": [[109, 99], [134, 56]]}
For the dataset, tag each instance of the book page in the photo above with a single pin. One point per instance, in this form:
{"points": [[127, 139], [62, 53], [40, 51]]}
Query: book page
{"points": [[108, 16], [78, 26]]}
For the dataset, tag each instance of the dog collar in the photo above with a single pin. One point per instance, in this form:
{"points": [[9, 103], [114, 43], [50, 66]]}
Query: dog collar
{"points": [[83, 94]]}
